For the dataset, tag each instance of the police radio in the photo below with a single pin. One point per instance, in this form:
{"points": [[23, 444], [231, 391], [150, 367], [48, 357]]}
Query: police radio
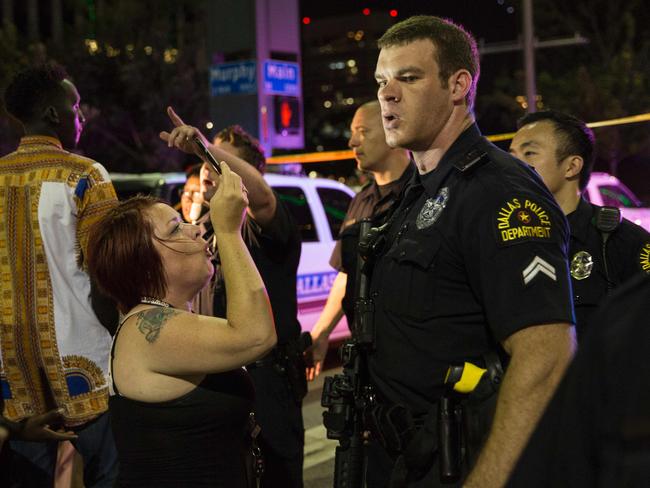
{"points": [[606, 220]]}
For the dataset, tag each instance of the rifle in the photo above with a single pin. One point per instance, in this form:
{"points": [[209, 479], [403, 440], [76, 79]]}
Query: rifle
{"points": [[346, 396]]}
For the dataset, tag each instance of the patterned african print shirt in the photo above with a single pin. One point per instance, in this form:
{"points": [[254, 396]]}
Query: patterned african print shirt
{"points": [[53, 349]]}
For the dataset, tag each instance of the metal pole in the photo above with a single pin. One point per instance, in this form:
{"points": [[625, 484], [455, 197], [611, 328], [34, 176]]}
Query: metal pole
{"points": [[529, 55]]}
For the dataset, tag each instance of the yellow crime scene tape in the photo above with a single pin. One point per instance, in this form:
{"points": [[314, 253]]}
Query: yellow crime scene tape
{"points": [[330, 156]]}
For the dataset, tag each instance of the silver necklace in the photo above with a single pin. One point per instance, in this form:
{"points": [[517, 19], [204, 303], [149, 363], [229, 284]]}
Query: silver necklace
{"points": [[155, 301]]}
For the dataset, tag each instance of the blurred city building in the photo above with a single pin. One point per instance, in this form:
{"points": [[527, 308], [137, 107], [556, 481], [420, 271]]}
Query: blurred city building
{"points": [[255, 65], [339, 59]]}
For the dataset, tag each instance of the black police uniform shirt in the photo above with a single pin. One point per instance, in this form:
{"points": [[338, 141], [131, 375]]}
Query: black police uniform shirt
{"points": [[595, 430], [275, 249], [472, 256], [627, 251], [373, 201]]}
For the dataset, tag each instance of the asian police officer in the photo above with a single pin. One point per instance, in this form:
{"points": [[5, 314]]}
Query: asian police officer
{"points": [[604, 250]]}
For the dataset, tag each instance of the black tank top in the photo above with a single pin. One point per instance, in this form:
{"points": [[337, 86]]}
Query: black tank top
{"points": [[198, 439]]}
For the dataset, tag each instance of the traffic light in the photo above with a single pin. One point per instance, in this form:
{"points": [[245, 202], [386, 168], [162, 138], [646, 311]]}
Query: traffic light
{"points": [[287, 115]]}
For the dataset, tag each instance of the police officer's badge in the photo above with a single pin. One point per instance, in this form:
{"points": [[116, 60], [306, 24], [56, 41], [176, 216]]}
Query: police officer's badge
{"points": [[644, 258], [581, 265], [432, 209]]}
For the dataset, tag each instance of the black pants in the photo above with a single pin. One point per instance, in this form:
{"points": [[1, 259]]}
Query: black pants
{"points": [[34, 462], [477, 419], [380, 466], [282, 438]]}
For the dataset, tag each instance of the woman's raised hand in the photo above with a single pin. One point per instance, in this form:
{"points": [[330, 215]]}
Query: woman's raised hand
{"points": [[229, 203]]}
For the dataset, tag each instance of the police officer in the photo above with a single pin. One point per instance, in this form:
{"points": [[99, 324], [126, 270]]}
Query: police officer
{"points": [[604, 251], [595, 429], [391, 169], [273, 240], [473, 266]]}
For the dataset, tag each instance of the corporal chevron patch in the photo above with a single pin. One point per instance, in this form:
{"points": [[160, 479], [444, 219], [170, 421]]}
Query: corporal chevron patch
{"points": [[537, 266]]}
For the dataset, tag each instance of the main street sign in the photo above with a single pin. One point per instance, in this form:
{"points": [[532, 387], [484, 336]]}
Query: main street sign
{"points": [[281, 78]]}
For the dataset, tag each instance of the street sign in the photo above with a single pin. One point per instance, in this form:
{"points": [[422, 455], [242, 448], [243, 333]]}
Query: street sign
{"points": [[281, 78], [233, 78]]}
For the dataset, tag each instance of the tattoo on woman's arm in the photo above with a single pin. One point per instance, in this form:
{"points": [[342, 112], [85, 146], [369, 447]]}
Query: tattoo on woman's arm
{"points": [[151, 321]]}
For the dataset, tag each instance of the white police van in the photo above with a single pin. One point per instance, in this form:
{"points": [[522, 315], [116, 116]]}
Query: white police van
{"points": [[607, 190], [318, 206]]}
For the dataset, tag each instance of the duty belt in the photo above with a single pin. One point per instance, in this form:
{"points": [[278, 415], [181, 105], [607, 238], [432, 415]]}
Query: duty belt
{"points": [[452, 430], [271, 359], [278, 356], [288, 361]]}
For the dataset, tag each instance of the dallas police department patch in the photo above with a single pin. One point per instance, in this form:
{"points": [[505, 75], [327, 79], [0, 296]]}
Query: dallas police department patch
{"points": [[644, 257], [521, 219], [432, 209], [581, 265]]}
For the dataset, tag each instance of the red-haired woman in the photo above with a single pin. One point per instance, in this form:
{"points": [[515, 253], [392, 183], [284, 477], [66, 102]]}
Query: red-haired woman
{"points": [[181, 400]]}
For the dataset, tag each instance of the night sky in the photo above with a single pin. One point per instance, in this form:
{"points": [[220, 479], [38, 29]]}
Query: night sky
{"points": [[491, 20]]}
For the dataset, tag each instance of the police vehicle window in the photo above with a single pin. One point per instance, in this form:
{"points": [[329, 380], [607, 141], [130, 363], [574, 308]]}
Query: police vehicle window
{"points": [[156, 187], [616, 196], [130, 188], [123, 194], [296, 201], [171, 192], [335, 203]]}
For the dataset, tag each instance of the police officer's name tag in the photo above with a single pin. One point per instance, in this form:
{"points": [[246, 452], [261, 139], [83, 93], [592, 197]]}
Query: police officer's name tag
{"points": [[432, 209], [521, 219]]}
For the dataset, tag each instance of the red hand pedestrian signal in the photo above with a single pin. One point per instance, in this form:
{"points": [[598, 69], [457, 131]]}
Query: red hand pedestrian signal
{"points": [[285, 114]]}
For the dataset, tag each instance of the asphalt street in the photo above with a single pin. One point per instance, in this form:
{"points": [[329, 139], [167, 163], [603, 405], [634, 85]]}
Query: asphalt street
{"points": [[319, 451]]}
